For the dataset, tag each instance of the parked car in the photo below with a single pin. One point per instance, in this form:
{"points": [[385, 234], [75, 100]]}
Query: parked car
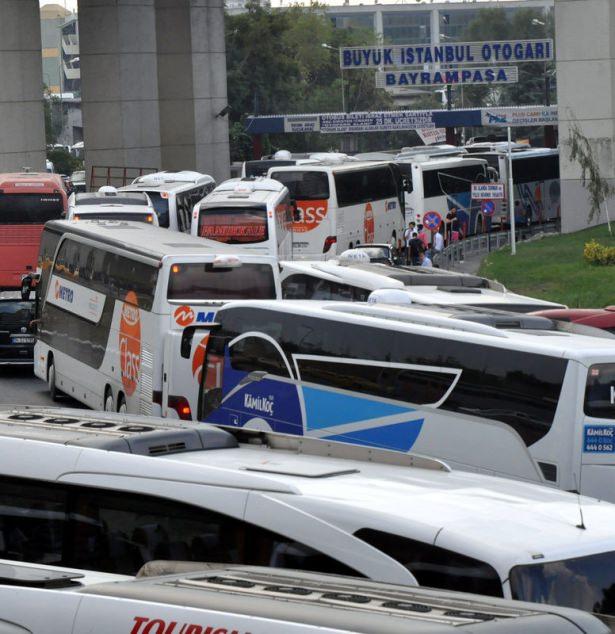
{"points": [[16, 334], [603, 318]]}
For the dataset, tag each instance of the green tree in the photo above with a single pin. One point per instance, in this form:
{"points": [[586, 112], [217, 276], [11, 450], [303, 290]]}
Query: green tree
{"points": [[63, 161], [53, 118]]}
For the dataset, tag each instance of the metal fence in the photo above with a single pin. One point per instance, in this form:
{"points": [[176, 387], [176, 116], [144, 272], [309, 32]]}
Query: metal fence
{"points": [[480, 246]]}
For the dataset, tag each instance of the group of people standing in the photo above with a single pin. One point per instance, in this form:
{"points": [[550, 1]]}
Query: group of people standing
{"points": [[421, 247]]}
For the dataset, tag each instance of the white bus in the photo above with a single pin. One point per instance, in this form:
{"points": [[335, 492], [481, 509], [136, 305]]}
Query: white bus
{"points": [[254, 215], [347, 280], [340, 205], [504, 393], [109, 204], [536, 182], [124, 311], [443, 185], [173, 195], [110, 493], [190, 598]]}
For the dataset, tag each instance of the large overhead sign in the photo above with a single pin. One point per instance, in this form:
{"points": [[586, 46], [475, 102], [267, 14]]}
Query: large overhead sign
{"points": [[486, 53], [376, 121], [472, 76]]}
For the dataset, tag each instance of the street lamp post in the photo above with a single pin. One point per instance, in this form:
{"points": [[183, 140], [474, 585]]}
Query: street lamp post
{"points": [[334, 48]]}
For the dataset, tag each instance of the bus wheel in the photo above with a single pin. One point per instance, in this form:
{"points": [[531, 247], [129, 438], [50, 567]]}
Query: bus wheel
{"points": [[121, 404], [51, 381], [109, 404]]}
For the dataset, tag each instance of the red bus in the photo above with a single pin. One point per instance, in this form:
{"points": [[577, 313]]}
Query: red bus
{"points": [[27, 201]]}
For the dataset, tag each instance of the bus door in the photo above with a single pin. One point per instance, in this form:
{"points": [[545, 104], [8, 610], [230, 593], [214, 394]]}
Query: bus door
{"points": [[598, 433], [185, 346]]}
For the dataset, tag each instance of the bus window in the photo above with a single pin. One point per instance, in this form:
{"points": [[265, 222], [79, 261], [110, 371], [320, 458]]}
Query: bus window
{"points": [[600, 391], [364, 186], [198, 281], [300, 286], [161, 206], [30, 209], [234, 225], [304, 185], [255, 353], [529, 169]]}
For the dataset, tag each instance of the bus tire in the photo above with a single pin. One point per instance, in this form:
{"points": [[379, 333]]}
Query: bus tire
{"points": [[109, 403], [121, 404], [51, 380]]}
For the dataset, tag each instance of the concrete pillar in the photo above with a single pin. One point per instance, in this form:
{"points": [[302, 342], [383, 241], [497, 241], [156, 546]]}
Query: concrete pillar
{"points": [[119, 83], [192, 86], [585, 49], [22, 128]]}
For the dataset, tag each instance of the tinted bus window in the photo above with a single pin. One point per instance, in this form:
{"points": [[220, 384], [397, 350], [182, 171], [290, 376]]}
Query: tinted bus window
{"points": [[600, 391], [304, 185], [451, 180], [33, 209], [198, 281], [234, 225], [537, 168], [363, 186], [49, 244], [161, 207], [436, 567], [118, 532], [132, 217], [260, 168]]}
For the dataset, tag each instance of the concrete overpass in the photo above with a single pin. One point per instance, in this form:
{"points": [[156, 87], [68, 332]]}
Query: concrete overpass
{"points": [[153, 83]]}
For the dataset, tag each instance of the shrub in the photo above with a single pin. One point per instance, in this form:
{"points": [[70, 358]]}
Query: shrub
{"points": [[596, 253]]}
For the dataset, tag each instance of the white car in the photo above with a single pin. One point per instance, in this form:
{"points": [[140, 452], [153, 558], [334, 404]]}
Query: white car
{"points": [[109, 204]]}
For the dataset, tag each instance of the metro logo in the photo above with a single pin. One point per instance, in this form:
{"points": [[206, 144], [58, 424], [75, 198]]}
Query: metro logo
{"points": [[63, 293], [312, 213], [184, 316], [368, 224], [130, 343], [199, 359]]}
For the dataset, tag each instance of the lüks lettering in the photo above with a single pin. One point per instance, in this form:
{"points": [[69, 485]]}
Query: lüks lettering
{"points": [[145, 625]]}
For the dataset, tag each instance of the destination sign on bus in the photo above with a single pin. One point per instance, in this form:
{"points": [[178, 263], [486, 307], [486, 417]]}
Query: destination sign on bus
{"points": [[400, 56], [234, 228]]}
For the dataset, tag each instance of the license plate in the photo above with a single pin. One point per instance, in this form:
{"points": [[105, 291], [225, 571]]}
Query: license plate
{"points": [[22, 339]]}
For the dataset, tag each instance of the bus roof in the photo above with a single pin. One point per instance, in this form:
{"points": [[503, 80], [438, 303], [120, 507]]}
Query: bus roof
{"points": [[478, 325], [23, 181], [167, 181], [147, 241], [334, 167]]}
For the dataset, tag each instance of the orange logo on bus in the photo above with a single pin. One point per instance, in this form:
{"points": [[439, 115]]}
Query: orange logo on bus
{"points": [[130, 343], [368, 224], [184, 316], [311, 213], [199, 359]]}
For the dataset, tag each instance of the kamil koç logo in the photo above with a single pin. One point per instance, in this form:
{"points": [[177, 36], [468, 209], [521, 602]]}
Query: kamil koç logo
{"points": [[63, 293], [261, 404]]}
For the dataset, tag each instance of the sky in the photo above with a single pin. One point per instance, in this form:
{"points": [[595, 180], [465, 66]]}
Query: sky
{"points": [[71, 5]]}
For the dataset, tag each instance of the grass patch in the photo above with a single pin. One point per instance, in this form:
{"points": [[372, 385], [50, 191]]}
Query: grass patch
{"points": [[554, 269]]}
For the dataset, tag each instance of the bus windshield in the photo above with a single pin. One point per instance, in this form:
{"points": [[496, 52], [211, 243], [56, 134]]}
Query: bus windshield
{"points": [[234, 225], [161, 207], [31, 209], [304, 185], [201, 281], [585, 583]]}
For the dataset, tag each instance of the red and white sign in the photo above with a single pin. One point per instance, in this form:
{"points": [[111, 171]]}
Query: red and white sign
{"points": [[312, 213], [368, 224], [130, 343], [432, 220], [199, 359], [184, 316], [431, 136]]}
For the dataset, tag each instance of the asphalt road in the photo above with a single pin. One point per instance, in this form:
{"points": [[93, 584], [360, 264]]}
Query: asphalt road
{"points": [[19, 386]]}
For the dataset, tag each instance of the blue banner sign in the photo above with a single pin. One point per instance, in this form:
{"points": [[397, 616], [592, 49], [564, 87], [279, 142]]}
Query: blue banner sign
{"points": [[468, 76], [376, 121], [401, 56]]}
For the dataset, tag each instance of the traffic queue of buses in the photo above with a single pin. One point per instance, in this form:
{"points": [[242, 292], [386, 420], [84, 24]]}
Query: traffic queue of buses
{"points": [[419, 427]]}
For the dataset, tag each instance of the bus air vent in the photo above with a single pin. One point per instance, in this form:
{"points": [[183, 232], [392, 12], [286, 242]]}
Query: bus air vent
{"points": [[18, 575], [62, 421], [346, 597], [460, 289], [157, 450], [230, 582], [296, 590], [25, 417], [407, 607], [474, 616], [549, 471]]}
